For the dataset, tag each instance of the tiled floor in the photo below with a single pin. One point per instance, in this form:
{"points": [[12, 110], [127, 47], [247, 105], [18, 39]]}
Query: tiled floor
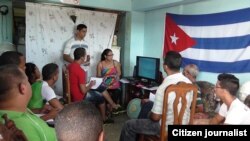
{"points": [[112, 131]]}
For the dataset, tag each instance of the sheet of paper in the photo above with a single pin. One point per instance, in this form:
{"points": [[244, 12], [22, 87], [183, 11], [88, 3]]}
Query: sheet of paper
{"points": [[124, 80], [49, 120], [151, 96], [98, 82], [151, 89]]}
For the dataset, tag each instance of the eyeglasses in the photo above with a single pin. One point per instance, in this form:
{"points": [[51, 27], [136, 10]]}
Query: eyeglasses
{"points": [[110, 55]]}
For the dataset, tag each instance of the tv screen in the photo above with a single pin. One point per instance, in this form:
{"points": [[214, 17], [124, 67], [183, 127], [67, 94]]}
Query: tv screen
{"points": [[147, 68]]}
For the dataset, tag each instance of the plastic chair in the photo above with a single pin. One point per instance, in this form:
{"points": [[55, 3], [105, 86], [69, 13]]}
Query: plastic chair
{"points": [[181, 90]]}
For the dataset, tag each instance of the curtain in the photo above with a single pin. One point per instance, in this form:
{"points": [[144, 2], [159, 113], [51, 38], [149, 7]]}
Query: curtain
{"points": [[49, 27]]}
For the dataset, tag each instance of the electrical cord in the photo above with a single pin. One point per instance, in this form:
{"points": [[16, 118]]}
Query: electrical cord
{"points": [[2, 28], [6, 30]]}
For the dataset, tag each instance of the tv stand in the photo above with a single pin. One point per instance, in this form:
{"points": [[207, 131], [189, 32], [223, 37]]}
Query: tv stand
{"points": [[148, 83], [137, 88]]}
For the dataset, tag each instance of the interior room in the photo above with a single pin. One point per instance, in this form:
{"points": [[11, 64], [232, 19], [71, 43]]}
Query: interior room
{"points": [[136, 32]]}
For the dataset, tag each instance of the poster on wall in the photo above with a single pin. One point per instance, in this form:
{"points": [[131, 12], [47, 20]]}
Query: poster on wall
{"points": [[75, 2]]}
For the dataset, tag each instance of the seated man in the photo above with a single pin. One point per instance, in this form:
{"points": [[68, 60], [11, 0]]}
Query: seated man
{"points": [[42, 90], [14, 97], [226, 89], [190, 71], [219, 118], [206, 102], [50, 76], [13, 57], [79, 90], [85, 125], [172, 64]]}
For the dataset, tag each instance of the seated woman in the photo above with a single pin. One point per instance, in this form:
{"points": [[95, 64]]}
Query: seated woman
{"points": [[37, 103], [110, 70], [32, 73]]}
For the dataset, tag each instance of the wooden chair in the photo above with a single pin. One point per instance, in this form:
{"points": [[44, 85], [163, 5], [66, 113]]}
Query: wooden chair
{"points": [[66, 85], [181, 90]]}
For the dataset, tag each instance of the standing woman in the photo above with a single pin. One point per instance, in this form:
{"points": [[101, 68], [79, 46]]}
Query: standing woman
{"points": [[110, 70]]}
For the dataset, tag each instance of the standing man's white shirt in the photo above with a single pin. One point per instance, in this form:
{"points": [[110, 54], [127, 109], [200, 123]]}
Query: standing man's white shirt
{"points": [[47, 92], [159, 96], [73, 44]]}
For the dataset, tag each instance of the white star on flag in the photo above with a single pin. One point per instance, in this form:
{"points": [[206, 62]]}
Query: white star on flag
{"points": [[174, 38]]}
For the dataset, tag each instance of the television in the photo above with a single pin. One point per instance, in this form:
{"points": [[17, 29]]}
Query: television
{"points": [[147, 68]]}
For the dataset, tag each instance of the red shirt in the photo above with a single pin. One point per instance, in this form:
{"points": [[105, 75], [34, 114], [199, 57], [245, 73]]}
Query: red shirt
{"points": [[77, 76]]}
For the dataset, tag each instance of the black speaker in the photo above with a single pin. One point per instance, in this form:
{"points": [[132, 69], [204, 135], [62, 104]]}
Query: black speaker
{"points": [[135, 72], [4, 9]]}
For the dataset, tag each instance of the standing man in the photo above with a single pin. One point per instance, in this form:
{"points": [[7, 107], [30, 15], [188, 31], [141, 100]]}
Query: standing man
{"points": [[77, 42], [172, 64]]}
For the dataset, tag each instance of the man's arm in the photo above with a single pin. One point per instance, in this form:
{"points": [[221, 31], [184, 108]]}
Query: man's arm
{"points": [[67, 58], [87, 61], [217, 119], [85, 88], [55, 103], [50, 115], [155, 117]]}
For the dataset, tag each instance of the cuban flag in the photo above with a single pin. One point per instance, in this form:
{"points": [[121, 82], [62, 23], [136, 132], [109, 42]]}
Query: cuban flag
{"points": [[218, 43]]}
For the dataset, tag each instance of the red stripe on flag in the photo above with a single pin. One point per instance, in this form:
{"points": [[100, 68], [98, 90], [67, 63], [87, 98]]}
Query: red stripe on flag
{"points": [[175, 38]]}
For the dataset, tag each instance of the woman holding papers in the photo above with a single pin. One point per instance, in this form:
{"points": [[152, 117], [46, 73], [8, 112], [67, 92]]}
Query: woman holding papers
{"points": [[110, 71]]}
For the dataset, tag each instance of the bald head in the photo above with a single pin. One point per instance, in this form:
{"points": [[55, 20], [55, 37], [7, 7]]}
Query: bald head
{"points": [[78, 121]]}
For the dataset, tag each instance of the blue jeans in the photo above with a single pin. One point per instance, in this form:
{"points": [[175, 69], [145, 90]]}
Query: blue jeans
{"points": [[95, 97], [139, 126], [145, 110]]}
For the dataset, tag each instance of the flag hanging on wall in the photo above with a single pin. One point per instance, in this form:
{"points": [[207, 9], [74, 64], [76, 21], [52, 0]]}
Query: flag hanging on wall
{"points": [[218, 43]]}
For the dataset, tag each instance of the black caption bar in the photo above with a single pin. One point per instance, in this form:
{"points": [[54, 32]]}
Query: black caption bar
{"points": [[208, 132]]}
